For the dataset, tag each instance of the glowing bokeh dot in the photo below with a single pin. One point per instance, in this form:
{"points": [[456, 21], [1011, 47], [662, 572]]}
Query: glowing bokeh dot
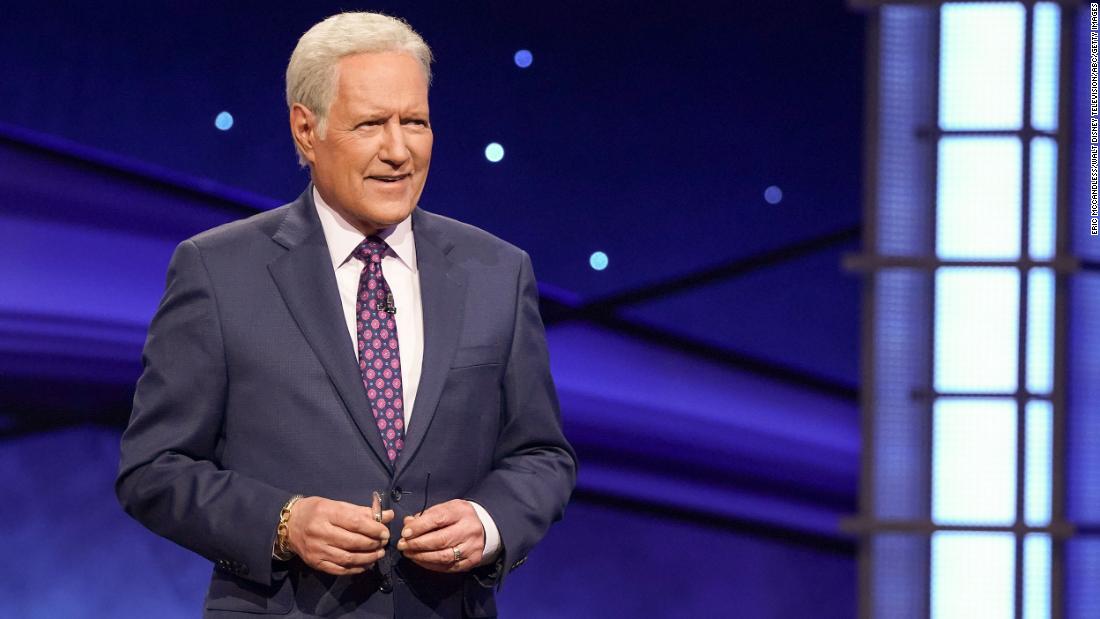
{"points": [[223, 121], [494, 152], [773, 194], [523, 58], [598, 260]]}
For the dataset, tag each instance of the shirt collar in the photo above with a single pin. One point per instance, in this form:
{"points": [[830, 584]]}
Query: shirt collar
{"points": [[342, 237]]}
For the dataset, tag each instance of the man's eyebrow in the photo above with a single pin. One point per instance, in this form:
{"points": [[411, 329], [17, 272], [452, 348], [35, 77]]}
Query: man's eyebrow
{"points": [[371, 115], [383, 114]]}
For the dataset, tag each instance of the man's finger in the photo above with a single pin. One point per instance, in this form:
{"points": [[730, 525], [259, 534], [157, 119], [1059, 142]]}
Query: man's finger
{"points": [[360, 520], [351, 560], [336, 570], [435, 517], [432, 540], [354, 542], [440, 558]]}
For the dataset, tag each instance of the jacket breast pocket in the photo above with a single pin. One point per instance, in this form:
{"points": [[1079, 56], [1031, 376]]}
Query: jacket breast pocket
{"points": [[482, 354]]}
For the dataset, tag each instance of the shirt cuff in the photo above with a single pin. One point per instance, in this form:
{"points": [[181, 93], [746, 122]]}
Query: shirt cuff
{"points": [[492, 535]]}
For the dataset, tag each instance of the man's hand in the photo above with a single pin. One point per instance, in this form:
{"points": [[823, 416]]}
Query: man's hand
{"points": [[335, 537], [429, 540]]}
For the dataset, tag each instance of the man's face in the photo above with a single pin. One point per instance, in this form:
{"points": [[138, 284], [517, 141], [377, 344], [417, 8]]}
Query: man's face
{"points": [[372, 163]]}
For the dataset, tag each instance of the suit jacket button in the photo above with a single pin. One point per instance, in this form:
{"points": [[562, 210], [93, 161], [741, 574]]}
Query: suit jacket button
{"points": [[386, 586], [395, 494]]}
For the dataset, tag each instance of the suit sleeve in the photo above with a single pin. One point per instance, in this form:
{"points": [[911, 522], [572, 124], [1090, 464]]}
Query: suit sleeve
{"points": [[169, 476], [534, 467]]}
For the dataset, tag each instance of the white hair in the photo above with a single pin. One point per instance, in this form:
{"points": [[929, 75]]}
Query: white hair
{"points": [[313, 71]]}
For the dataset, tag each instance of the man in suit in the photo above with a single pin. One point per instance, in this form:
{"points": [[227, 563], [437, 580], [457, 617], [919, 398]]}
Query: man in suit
{"points": [[346, 344]]}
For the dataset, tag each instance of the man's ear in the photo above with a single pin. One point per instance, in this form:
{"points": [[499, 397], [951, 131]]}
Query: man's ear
{"points": [[303, 128]]}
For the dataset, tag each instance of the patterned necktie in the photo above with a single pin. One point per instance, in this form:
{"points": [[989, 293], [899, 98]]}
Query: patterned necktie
{"points": [[379, 361]]}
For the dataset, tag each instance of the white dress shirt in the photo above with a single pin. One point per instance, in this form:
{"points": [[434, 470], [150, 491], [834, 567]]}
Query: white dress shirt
{"points": [[399, 269]]}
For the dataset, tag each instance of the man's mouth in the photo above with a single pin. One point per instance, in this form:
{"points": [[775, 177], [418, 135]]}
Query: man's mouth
{"points": [[389, 178]]}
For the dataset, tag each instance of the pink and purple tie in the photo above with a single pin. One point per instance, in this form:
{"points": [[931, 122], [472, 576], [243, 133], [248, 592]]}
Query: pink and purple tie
{"points": [[379, 361]]}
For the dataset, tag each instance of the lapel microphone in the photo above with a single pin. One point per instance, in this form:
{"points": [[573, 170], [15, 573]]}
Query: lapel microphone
{"points": [[389, 304]]}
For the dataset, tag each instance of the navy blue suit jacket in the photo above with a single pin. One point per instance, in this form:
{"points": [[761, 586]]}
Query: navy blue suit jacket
{"points": [[251, 393]]}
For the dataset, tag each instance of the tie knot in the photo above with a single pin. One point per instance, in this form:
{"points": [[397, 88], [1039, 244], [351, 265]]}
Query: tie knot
{"points": [[371, 249]]}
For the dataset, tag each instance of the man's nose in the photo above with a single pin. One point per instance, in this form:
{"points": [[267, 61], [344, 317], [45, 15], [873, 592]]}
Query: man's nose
{"points": [[394, 150]]}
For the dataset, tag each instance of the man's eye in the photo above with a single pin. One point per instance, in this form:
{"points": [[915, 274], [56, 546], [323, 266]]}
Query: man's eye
{"points": [[416, 121], [371, 123]]}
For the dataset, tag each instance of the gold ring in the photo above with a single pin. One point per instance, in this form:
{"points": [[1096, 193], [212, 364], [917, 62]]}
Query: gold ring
{"points": [[458, 554]]}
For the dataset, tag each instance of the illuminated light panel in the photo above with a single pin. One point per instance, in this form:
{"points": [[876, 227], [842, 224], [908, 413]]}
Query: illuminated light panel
{"points": [[1043, 194], [976, 322], [1040, 331], [1038, 448], [981, 65], [978, 198], [523, 58], [1046, 24], [974, 461], [973, 575], [1037, 577]]}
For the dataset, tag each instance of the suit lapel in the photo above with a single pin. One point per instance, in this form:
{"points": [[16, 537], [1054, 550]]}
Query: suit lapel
{"points": [[443, 295], [307, 283]]}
